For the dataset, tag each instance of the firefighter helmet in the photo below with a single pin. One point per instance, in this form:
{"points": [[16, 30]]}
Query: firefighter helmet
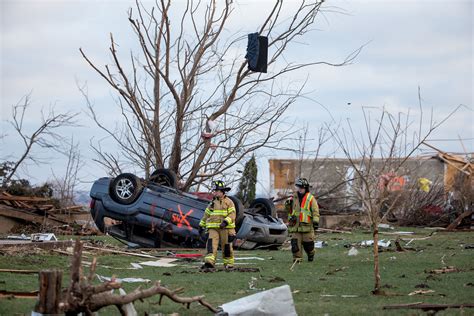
{"points": [[302, 183], [220, 186]]}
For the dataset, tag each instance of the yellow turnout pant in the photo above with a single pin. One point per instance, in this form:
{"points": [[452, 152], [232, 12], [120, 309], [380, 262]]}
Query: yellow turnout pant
{"points": [[225, 238]]}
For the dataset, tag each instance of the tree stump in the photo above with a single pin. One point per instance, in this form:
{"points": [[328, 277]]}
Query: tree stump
{"points": [[50, 282]]}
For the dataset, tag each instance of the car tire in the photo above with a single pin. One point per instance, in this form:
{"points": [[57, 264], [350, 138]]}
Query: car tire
{"points": [[263, 207], [239, 210], [125, 188], [164, 177]]}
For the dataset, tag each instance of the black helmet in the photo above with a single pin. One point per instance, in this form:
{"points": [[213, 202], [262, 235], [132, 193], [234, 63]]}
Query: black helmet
{"points": [[302, 183], [219, 186]]}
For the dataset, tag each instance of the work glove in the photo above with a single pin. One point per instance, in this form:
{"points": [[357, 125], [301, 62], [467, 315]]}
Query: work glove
{"points": [[315, 225], [223, 224], [292, 221]]}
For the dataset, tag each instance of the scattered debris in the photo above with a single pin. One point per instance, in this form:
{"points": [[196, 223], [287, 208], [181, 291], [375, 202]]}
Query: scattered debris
{"points": [[82, 295], [382, 243], [295, 262], [385, 226], [163, 262], [249, 258], [42, 212], [334, 231], [343, 295], [336, 270], [43, 237], [353, 252], [320, 244], [447, 269], [28, 245], [428, 307], [120, 252], [420, 292], [276, 279], [459, 219], [253, 284], [124, 280], [19, 237], [422, 286], [277, 301], [19, 271], [6, 294]]}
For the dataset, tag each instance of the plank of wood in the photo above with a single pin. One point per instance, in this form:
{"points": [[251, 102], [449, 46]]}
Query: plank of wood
{"points": [[19, 271], [4, 293], [10, 197], [120, 252], [29, 216]]}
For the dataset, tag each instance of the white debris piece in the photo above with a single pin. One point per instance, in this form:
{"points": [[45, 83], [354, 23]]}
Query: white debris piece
{"points": [[124, 280], [277, 301], [353, 252], [381, 243], [164, 262], [43, 237], [320, 244]]}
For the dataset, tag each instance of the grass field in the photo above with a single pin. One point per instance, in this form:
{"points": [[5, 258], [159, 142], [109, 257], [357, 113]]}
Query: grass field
{"points": [[335, 284]]}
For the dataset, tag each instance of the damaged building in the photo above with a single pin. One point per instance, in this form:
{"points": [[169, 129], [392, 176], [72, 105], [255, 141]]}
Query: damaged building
{"points": [[430, 183]]}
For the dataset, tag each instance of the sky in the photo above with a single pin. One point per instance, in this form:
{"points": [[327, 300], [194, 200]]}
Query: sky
{"points": [[408, 45]]}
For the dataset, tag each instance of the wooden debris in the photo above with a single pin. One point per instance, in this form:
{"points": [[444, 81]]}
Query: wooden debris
{"points": [[19, 271], [428, 307], [121, 252], [459, 219], [83, 296], [42, 212], [447, 269], [334, 230], [6, 294]]}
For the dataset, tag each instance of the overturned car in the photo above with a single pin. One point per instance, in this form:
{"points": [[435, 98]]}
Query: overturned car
{"points": [[152, 212]]}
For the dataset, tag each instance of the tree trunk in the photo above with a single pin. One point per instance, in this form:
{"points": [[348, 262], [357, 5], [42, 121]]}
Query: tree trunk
{"points": [[50, 292], [376, 260]]}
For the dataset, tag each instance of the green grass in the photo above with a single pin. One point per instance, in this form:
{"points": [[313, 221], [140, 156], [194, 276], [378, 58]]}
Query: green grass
{"points": [[317, 286]]}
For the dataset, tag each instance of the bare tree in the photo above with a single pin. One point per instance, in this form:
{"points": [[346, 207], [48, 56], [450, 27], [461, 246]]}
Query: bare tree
{"points": [[187, 99], [47, 135], [64, 186], [377, 155]]}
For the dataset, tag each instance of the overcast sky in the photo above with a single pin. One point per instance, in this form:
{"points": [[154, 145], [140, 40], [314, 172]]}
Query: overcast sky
{"points": [[409, 44]]}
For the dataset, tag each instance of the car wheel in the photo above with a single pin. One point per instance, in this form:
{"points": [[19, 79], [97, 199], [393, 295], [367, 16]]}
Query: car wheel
{"points": [[164, 177], [263, 206], [239, 210], [125, 188]]}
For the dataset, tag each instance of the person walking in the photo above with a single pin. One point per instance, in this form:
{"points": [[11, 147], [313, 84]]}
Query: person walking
{"points": [[219, 220], [303, 220]]}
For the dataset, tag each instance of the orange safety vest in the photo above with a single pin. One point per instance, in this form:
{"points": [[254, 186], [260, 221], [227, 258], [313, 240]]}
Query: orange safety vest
{"points": [[305, 211]]}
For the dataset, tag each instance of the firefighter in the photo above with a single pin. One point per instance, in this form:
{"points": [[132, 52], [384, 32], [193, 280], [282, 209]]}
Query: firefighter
{"points": [[219, 220], [303, 220]]}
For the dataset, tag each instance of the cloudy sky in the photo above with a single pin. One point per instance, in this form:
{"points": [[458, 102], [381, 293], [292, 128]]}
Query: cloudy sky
{"points": [[408, 44]]}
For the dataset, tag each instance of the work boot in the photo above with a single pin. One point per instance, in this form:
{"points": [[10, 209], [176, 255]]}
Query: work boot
{"points": [[228, 267], [311, 257], [207, 266]]}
